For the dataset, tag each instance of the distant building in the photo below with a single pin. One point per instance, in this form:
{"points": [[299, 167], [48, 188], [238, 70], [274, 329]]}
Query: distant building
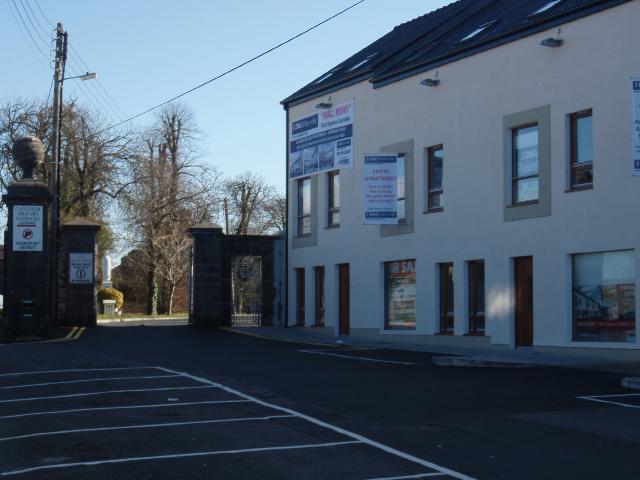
{"points": [[514, 220]]}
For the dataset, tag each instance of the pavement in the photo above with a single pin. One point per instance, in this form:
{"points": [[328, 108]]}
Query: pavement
{"points": [[172, 402], [625, 362]]}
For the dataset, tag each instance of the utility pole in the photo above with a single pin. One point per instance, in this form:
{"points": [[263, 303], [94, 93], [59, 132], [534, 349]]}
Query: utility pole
{"points": [[226, 216], [54, 167]]}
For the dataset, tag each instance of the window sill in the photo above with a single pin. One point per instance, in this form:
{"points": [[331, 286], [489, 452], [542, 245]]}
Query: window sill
{"points": [[524, 204], [579, 188], [444, 334], [475, 334], [332, 227], [434, 210], [306, 235]]}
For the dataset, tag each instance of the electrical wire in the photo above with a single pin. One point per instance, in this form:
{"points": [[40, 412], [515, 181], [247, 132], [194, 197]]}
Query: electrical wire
{"points": [[20, 20], [231, 70]]}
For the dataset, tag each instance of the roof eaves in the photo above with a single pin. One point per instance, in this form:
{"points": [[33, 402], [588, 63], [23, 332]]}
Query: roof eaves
{"points": [[488, 43]]}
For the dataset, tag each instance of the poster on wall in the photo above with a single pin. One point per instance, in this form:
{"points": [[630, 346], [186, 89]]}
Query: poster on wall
{"points": [[380, 189], [81, 268], [636, 126], [400, 295], [27, 228], [322, 142]]}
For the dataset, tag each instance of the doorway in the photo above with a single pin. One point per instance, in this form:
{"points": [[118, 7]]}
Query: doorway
{"points": [[523, 276], [319, 297], [343, 299], [300, 297], [246, 291]]}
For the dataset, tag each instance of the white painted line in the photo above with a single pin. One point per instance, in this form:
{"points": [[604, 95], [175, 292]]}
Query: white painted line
{"points": [[150, 425], [75, 370], [608, 402], [106, 379], [613, 396], [89, 394], [175, 455], [420, 475], [355, 436], [121, 407], [352, 357]]}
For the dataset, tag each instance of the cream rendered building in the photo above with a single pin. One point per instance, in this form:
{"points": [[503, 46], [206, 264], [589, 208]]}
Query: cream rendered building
{"points": [[521, 224]]}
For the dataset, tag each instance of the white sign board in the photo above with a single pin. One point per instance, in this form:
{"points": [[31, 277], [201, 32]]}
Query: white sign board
{"points": [[27, 228], [322, 142], [636, 126], [380, 189], [81, 268]]}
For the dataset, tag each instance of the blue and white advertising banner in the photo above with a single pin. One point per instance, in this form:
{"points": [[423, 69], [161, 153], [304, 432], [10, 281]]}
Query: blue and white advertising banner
{"points": [[380, 189], [636, 126], [322, 142]]}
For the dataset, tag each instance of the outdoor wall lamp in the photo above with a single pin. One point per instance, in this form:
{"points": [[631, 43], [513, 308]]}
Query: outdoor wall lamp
{"points": [[552, 42], [324, 105], [430, 82]]}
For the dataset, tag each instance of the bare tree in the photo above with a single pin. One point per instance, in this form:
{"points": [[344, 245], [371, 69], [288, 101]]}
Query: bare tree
{"points": [[171, 192], [250, 199]]}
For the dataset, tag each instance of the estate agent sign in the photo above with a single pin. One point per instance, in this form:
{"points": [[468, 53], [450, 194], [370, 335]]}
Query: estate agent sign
{"points": [[380, 189], [80, 268], [322, 142], [27, 228]]}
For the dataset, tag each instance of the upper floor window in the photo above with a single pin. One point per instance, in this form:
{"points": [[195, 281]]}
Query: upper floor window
{"points": [[402, 206], [333, 179], [525, 164], [304, 207], [435, 192], [581, 132]]}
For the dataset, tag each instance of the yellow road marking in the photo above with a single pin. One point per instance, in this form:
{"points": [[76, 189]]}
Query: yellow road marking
{"points": [[276, 339]]}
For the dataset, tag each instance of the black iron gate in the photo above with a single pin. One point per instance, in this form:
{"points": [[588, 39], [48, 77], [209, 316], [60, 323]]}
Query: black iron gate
{"points": [[246, 291]]}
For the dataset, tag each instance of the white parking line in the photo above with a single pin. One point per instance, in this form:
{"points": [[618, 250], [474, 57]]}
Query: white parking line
{"points": [[352, 357], [176, 455], [67, 382], [419, 475], [89, 394], [149, 425], [600, 399], [357, 437], [75, 370], [122, 407]]}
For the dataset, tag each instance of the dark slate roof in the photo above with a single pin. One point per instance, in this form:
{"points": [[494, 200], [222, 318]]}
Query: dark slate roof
{"points": [[436, 39]]}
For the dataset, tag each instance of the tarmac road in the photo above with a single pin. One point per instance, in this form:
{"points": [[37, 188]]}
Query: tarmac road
{"points": [[172, 402]]}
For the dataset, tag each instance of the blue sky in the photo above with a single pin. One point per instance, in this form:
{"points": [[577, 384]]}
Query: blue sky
{"points": [[147, 51]]}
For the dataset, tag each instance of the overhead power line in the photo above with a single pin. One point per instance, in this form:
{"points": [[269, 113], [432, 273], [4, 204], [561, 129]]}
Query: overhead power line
{"points": [[231, 70]]}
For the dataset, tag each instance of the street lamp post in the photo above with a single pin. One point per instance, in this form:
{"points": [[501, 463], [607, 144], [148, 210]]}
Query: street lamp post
{"points": [[54, 166]]}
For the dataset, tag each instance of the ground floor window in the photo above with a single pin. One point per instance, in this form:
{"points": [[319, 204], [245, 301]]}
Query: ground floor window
{"points": [[476, 297], [446, 298], [319, 274], [300, 287], [604, 297], [400, 295]]}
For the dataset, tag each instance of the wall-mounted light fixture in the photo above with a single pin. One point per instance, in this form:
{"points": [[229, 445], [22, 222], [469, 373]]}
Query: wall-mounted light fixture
{"points": [[324, 105], [430, 82], [552, 42]]}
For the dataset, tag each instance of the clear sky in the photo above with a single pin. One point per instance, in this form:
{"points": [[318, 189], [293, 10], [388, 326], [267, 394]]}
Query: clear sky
{"points": [[146, 51]]}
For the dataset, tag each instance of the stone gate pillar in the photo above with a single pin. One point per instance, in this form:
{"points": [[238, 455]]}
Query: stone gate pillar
{"points": [[26, 299], [207, 299], [77, 282]]}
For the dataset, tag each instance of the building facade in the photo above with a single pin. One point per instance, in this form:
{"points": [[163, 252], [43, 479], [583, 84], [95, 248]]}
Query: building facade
{"points": [[517, 208]]}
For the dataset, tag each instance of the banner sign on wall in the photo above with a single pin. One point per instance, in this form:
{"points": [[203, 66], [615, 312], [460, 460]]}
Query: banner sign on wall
{"points": [[380, 189], [636, 126], [322, 142], [80, 268], [27, 228]]}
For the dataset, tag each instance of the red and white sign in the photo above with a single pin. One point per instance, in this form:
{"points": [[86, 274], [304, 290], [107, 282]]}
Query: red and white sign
{"points": [[27, 228]]}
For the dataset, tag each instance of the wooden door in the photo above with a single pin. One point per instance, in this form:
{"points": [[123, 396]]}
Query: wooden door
{"points": [[300, 313], [524, 301], [343, 298], [319, 301]]}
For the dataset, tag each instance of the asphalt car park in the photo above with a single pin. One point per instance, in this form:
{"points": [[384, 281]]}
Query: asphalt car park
{"points": [[174, 402], [133, 420]]}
